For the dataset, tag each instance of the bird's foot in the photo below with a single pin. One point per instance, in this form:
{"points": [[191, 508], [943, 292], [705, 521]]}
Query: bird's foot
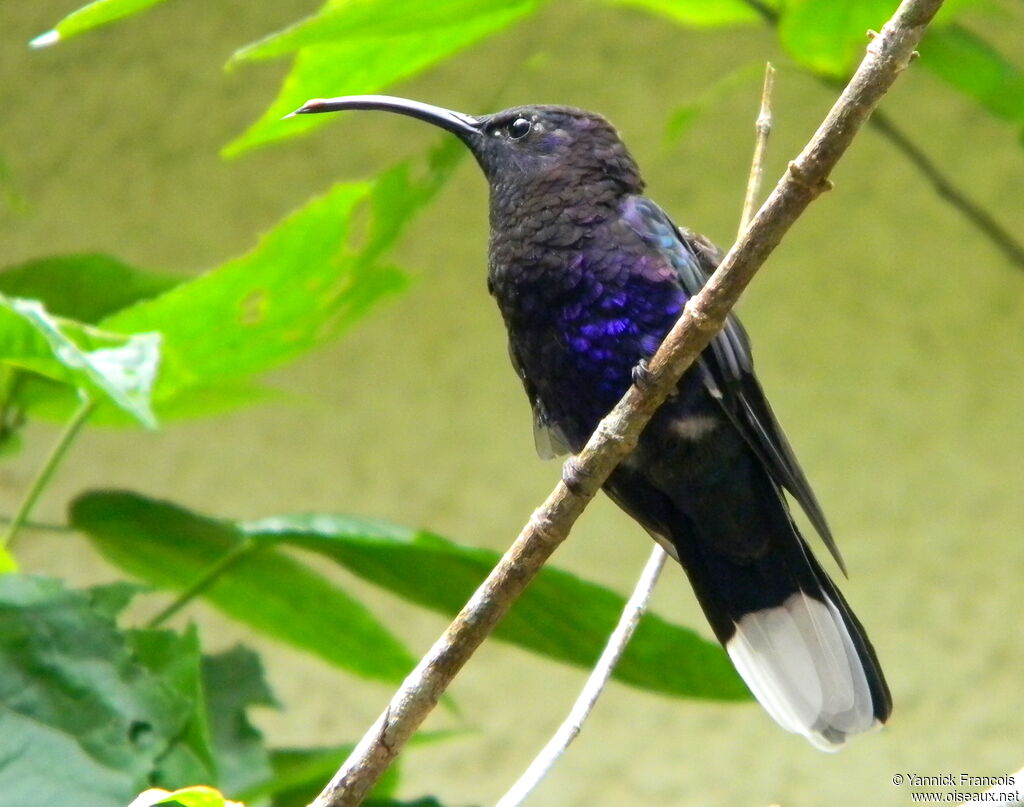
{"points": [[642, 377]]}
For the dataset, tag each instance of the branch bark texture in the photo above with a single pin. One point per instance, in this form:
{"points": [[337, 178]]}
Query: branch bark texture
{"points": [[887, 56]]}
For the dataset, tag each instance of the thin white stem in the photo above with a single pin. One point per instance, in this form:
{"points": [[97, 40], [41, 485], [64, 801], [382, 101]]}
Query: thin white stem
{"points": [[613, 650], [762, 128]]}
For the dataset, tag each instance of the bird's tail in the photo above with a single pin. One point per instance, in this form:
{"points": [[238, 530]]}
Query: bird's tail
{"points": [[792, 638]]}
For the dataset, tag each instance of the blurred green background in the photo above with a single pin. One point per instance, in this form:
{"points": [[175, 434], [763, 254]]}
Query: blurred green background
{"points": [[888, 334]]}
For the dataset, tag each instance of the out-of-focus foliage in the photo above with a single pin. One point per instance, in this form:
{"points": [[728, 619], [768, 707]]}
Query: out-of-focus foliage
{"points": [[699, 13], [559, 616], [93, 713], [974, 67], [305, 282], [81, 358], [362, 47], [170, 547]]}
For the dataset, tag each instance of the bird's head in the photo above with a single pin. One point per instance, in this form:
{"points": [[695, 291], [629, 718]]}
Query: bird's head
{"points": [[524, 148]]}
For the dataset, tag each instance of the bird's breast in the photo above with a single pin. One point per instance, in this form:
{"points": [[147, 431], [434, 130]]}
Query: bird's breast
{"points": [[579, 321]]}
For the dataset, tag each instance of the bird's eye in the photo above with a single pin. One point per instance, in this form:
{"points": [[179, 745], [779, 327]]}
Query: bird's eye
{"points": [[519, 128]]}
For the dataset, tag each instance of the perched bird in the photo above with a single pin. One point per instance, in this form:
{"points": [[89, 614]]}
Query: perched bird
{"points": [[590, 275]]}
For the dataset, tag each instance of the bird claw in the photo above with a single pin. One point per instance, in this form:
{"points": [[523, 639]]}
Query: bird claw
{"points": [[642, 377]]}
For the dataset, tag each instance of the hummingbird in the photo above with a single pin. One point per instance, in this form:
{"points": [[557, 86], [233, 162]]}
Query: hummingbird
{"points": [[590, 275]]}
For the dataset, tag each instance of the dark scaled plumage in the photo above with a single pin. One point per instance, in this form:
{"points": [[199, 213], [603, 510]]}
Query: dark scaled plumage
{"points": [[589, 276]]}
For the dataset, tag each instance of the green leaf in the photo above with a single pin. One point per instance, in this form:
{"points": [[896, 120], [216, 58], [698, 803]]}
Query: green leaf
{"points": [[385, 48], [199, 796], [971, 65], [121, 368], [90, 16], [176, 659], [299, 287], [830, 36], [110, 599], [305, 282], [376, 19], [48, 400], [82, 287], [559, 616], [84, 722], [233, 682], [698, 13], [170, 547], [397, 195], [7, 562]]}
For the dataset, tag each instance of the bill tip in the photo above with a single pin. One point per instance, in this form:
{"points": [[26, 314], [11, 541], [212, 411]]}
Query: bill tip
{"points": [[312, 105]]}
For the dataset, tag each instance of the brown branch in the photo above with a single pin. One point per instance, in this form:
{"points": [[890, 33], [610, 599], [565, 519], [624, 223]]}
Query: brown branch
{"points": [[807, 176], [1000, 237]]}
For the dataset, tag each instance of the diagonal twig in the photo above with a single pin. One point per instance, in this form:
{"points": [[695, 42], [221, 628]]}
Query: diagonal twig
{"points": [[806, 177]]}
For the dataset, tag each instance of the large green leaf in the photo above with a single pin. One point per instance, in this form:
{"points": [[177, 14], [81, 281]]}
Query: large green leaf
{"points": [[170, 547], [361, 46], [977, 69], [85, 721], [195, 796], [300, 286], [338, 21], [119, 368], [305, 282], [559, 616], [698, 13], [91, 16], [83, 287]]}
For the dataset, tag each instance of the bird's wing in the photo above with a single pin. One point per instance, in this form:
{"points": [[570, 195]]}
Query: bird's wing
{"points": [[547, 437], [726, 366]]}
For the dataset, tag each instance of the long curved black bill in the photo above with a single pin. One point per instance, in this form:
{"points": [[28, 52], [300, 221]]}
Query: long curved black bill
{"points": [[456, 122]]}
